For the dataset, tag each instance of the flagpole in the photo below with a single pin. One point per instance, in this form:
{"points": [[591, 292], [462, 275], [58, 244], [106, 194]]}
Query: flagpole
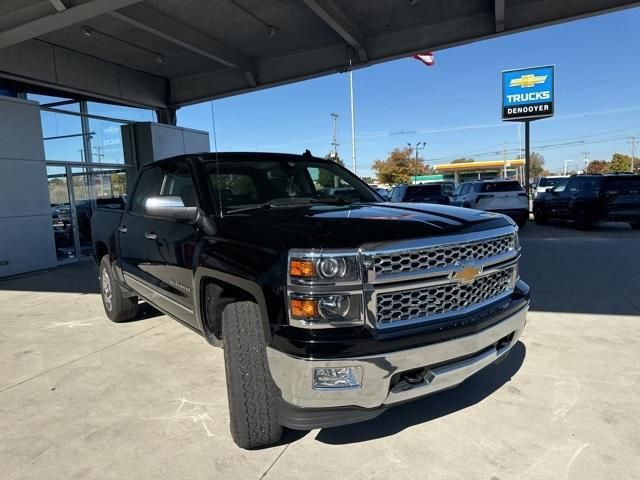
{"points": [[353, 121]]}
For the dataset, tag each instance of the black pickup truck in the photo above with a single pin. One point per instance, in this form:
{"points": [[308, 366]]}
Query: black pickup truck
{"points": [[331, 304]]}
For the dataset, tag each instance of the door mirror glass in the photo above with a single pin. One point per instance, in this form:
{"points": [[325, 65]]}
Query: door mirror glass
{"points": [[170, 208]]}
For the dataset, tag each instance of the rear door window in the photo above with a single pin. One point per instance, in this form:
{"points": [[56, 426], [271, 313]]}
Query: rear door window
{"points": [[622, 185]]}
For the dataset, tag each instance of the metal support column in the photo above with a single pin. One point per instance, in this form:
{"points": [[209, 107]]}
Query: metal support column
{"points": [[527, 157]]}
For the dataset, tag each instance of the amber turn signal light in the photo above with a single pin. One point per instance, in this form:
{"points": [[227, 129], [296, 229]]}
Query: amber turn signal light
{"points": [[304, 308], [302, 268]]}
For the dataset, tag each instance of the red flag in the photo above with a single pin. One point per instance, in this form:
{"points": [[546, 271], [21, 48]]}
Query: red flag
{"points": [[427, 58]]}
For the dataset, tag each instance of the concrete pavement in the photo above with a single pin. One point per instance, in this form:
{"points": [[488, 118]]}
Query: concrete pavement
{"points": [[81, 397]]}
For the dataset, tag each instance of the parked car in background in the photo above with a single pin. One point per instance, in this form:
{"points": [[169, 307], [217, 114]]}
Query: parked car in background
{"points": [[424, 193], [499, 196], [383, 192], [547, 182], [587, 199]]}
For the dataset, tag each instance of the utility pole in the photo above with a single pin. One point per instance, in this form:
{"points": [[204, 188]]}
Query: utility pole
{"points": [[632, 143], [334, 140], [585, 160], [504, 161], [419, 146], [353, 121]]}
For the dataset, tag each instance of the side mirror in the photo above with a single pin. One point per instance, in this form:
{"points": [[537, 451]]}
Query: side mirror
{"points": [[171, 208], [548, 190]]}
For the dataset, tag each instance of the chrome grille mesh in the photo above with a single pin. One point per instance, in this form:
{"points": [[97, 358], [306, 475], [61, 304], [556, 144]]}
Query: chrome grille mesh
{"points": [[421, 303], [440, 256]]}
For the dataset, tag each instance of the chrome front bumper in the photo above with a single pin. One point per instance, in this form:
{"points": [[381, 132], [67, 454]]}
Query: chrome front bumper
{"points": [[293, 375]]}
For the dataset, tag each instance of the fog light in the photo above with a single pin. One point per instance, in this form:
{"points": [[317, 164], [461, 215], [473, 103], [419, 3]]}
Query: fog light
{"points": [[340, 377]]}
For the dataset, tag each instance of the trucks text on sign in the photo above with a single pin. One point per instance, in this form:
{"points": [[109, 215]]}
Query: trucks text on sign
{"points": [[527, 93]]}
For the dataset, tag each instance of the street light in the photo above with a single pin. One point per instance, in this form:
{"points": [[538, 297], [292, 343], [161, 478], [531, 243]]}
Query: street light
{"points": [[419, 146], [565, 166]]}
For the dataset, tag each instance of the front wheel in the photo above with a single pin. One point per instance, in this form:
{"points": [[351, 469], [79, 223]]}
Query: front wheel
{"points": [[540, 218], [118, 307], [253, 397]]}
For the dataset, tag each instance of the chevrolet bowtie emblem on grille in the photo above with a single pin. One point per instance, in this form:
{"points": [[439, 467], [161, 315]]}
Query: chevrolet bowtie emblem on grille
{"points": [[467, 275], [527, 81]]}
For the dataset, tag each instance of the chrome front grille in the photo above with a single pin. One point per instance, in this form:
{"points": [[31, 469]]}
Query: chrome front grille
{"points": [[432, 302], [424, 259]]}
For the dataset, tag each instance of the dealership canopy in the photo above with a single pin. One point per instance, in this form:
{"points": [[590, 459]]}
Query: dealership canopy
{"points": [[168, 53]]}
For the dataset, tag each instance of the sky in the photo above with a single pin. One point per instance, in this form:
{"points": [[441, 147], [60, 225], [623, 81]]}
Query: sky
{"points": [[453, 106]]}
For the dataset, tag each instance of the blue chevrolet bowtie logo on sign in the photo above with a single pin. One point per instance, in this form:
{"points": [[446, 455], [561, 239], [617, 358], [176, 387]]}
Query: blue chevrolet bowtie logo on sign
{"points": [[527, 93]]}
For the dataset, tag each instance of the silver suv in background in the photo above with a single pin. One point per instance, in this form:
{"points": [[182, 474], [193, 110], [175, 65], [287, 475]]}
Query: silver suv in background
{"points": [[545, 183], [499, 196]]}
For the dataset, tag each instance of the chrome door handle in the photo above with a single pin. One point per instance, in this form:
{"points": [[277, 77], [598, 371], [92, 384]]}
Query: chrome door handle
{"points": [[122, 229], [151, 236]]}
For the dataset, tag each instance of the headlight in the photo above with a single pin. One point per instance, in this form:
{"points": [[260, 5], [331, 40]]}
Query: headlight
{"points": [[323, 268]]}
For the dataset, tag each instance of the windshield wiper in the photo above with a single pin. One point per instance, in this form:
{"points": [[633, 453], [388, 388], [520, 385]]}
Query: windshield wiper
{"points": [[332, 201], [260, 206]]}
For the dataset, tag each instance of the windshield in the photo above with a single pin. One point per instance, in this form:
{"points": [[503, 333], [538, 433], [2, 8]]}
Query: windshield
{"points": [[241, 184], [550, 182]]}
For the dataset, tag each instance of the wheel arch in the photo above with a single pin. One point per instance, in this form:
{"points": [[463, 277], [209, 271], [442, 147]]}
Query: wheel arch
{"points": [[222, 289]]}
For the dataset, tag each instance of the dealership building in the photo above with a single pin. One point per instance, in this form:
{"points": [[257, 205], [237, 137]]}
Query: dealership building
{"points": [[89, 89]]}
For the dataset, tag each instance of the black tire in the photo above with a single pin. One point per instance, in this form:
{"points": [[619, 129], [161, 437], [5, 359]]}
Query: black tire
{"points": [[583, 221], [635, 225], [118, 307], [521, 222], [253, 396], [540, 218]]}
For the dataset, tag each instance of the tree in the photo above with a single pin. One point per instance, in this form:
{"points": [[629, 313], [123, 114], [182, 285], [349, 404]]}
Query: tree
{"points": [[399, 167], [463, 160], [598, 166], [326, 178], [536, 165], [620, 163]]}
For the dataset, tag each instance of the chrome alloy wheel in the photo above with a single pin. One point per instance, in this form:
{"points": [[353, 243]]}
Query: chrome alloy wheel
{"points": [[107, 294]]}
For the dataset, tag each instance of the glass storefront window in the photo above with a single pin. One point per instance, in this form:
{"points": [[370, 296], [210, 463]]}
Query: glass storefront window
{"points": [[62, 135], [106, 141], [74, 193], [118, 111]]}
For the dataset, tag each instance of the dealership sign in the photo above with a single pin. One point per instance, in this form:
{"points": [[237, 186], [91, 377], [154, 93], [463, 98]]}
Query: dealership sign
{"points": [[527, 93]]}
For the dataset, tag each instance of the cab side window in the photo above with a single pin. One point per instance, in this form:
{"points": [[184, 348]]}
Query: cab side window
{"points": [[149, 185], [177, 182], [560, 187]]}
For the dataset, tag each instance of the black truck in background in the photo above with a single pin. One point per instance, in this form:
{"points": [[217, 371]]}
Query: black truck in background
{"points": [[331, 304]]}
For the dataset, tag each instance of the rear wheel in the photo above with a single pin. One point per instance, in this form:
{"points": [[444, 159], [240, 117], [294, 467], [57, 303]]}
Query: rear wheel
{"points": [[118, 307], [583, 220], [253, 397]]}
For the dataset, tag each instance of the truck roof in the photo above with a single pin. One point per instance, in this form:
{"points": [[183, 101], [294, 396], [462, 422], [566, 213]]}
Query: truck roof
{"points": [[253, 156]]}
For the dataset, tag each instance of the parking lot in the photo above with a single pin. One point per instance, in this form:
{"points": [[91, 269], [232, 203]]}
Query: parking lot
{"points": [[81, 397]]}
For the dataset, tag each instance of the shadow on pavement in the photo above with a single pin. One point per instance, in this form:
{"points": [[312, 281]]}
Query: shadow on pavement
{"points": [[473, 390], [76, 278], [571, 271]]}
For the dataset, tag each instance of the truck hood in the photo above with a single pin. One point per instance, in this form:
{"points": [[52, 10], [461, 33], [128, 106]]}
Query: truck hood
{"points": [[349, 226]]}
